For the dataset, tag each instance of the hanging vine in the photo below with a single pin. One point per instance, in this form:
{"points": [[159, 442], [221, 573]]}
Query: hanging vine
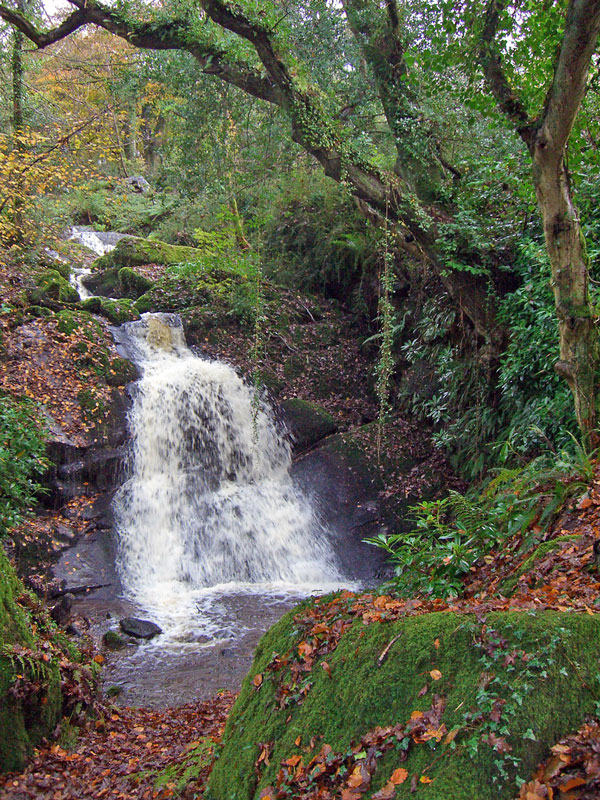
{"points": [[385, 362], [258, 342]]}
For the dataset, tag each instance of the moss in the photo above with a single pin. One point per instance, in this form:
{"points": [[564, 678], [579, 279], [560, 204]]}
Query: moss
{"points": [[132, 284], [52, 286], [308, 422], [508, 586], [363, 693], [23, 720], [120, 372], [134, 252]]}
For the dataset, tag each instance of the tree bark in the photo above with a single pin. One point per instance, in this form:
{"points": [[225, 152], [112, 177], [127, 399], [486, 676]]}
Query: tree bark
{"points": [[579, 355], [546, 138]]}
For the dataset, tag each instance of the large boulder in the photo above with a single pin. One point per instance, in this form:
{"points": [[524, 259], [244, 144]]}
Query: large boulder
{"points": [[117, 282], [307, 422], [437, 706], [51, 286], [133, 251]]}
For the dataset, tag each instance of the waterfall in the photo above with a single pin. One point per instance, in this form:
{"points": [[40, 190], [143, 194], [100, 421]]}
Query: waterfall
{"points": [[99, 242], [209, 503]]}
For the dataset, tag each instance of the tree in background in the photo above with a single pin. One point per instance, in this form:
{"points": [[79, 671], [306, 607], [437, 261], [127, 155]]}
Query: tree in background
{"points": [[368, 107]]}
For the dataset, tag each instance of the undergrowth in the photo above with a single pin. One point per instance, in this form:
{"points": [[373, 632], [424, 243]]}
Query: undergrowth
{"points": [[452, 534], [22, 459]]}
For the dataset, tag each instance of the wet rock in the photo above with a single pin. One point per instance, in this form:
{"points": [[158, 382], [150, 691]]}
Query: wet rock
{"points": [[64, 533], [307, 422], [61, 613], [139, 628], [113, 640]]}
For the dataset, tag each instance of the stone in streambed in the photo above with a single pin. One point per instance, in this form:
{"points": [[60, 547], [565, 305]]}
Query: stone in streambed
{"points": [[139, 628], [113, 640]]}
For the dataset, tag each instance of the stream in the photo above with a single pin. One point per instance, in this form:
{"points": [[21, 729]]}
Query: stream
{"points": [[213, 541]]}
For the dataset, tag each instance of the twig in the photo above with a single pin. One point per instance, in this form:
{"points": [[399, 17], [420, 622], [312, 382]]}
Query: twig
{"points": [[386, 650]]}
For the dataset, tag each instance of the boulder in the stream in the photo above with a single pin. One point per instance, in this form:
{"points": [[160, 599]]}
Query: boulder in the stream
{"points": [[139, 628], [307, 422], [113, 640], [114, 310], [116, 282]]}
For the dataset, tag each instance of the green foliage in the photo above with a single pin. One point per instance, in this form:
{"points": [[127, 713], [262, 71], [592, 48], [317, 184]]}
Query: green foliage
{"points": [[316, 241], [452, 534], [109, 205], [22, 459]]}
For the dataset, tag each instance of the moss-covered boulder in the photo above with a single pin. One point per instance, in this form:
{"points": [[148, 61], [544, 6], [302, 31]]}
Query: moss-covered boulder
{"points": [[50, 285], [30, 693], [115, 311], [450, 706], [132, 284], [307, 422], [117, 283], [133, 251]]}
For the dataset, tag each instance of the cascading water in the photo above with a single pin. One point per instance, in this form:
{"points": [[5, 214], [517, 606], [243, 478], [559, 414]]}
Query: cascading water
{"points": [[99, 242], [209, 507]]}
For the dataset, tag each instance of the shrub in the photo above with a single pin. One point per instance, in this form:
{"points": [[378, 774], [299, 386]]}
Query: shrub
{"points": [[22, 459]]}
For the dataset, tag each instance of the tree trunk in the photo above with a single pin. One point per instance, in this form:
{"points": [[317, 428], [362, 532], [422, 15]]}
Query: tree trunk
{"points": [[579, 355], [17, 119]]}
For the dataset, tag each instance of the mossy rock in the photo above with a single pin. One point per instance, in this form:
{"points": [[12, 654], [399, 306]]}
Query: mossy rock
{"points": [[508, 586], [24, 721], [52, 286], [432, 654], [115, 311], [104, 283], [133, 251], [120, 372], [308, 422], [206, 290], [133, 285]]}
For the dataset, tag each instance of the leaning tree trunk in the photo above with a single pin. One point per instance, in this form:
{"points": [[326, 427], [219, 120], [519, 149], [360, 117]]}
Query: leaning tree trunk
{"points": [[579, 354]]}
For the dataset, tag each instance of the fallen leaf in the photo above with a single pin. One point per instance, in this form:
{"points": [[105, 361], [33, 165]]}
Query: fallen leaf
{"points": [[398, 776], [435, 674]]}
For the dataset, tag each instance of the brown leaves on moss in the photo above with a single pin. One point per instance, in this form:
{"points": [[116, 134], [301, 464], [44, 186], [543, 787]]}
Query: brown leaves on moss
{"points": [[572, 772], [326, 774]]}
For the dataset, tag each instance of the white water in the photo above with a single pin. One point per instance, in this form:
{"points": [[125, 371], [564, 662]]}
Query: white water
{"points": [[209, 508], [98, 242]]}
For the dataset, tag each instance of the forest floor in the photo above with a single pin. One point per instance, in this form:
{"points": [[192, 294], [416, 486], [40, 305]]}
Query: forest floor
{"points": [[141, 753], [138, 753]]}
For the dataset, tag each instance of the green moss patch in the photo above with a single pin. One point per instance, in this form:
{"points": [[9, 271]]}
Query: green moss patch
{"points": [[133, 251], [497, 693], [52, 286], [115, 311]]}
